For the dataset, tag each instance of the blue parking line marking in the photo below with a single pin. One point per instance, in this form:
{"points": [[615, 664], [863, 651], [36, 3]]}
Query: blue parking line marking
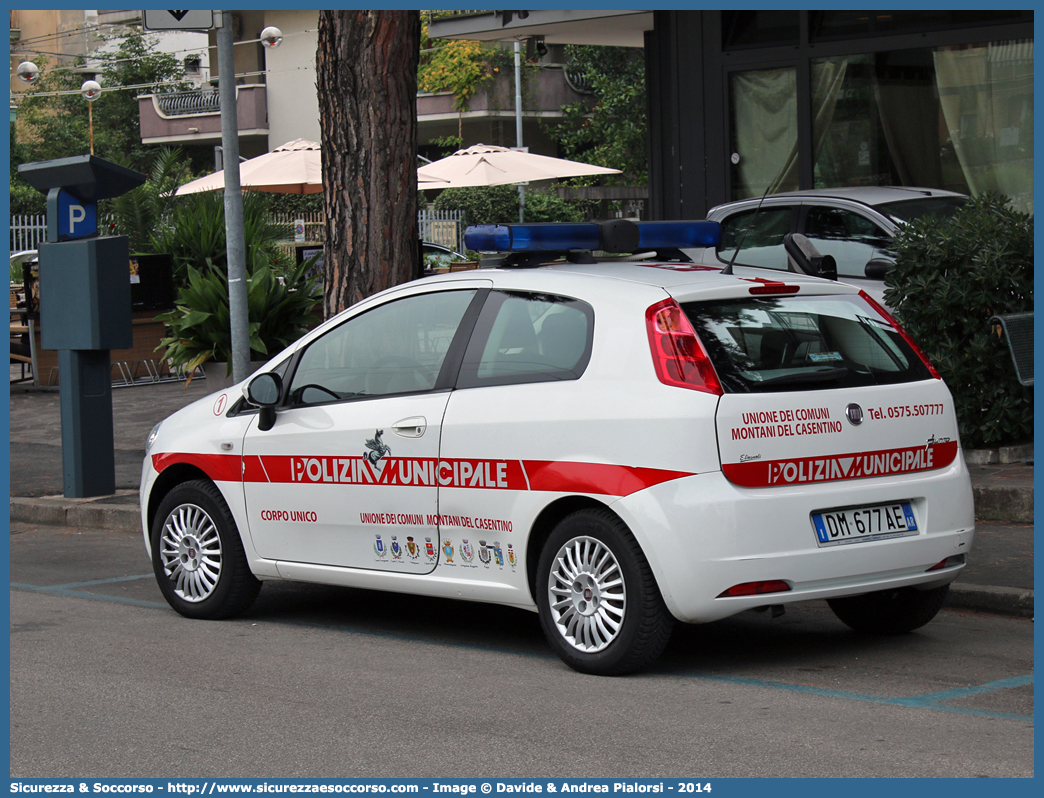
{"points": [[103, 581], [64, 590], [928, 701], [962, 692]]}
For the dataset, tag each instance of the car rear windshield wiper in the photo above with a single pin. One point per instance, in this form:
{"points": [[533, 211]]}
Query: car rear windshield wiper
{"points": [[820, 375]]}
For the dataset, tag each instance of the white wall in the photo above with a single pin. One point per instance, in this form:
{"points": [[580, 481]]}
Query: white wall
{"points": [[293, 105]]}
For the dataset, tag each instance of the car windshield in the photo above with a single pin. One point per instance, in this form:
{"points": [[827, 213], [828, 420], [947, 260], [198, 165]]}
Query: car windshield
{"points": [[909, 210], [790, 343]]}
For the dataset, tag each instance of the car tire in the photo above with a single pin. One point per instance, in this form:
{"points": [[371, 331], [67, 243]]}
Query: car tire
{"points": [[197, 554], [890, 612], [599, 604]]}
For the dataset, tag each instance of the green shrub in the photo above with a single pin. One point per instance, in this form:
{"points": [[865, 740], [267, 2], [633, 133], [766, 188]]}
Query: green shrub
{"points": [[481, 204], [950, 278], [499, 205], [547, 206], [25, 200]]}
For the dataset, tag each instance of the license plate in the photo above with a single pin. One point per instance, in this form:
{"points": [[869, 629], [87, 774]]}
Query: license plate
{"points": [[860, 524]]}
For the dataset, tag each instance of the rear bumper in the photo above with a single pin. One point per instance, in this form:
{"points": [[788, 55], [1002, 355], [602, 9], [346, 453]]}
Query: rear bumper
{"points": [[703, 535]]}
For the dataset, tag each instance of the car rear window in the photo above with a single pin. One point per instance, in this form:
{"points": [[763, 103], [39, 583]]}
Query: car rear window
{"points": [[912, 209], [791, 343]]}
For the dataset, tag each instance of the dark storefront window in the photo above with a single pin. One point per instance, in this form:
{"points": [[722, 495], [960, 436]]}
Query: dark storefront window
{"points": [[763, 110], [959, 118]]}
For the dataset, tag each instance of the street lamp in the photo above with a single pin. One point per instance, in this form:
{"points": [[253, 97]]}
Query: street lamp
{"points": [[91, 91], [28, 72], [271, 37]]}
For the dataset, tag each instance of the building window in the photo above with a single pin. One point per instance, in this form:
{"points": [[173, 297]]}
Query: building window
{"points": [[954, 117], [763, 111], [986, 96]]}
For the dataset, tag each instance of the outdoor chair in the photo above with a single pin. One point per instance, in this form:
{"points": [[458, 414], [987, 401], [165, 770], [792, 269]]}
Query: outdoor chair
{"points": [[1018, 329]]}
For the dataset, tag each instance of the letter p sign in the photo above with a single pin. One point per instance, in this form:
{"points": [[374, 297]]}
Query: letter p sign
{"points": [[76, 219]]}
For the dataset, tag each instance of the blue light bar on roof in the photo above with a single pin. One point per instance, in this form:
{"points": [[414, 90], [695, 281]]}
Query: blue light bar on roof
{"points": [[531, 237], [617, 236], [660, 235]]}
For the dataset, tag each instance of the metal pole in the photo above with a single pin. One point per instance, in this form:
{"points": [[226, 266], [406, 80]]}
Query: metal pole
{"points": [[234, 237], [90, 123], [518, 127]]}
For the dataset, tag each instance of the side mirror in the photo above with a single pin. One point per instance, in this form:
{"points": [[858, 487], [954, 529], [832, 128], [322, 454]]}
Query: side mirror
{"points": [[877, 268], [804, 258], [263, 391]]}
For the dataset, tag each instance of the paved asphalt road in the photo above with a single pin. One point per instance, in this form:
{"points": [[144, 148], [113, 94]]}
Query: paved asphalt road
{"points": [[106, 681]]}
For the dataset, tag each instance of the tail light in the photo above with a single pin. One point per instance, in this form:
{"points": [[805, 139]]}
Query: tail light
{"points": [[899, 329], [949, 562], [756, 588], [771, 287], [677, 353]]}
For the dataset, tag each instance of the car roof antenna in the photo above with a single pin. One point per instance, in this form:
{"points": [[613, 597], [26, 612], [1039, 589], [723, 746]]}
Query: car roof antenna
{"points": [[750, 224]]}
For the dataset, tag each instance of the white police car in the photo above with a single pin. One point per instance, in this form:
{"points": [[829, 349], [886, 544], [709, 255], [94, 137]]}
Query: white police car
{"points": [[613, 445]]}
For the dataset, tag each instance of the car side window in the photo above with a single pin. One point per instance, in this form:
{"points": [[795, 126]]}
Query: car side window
{"points": [[762, 243], [528, 337], [397, 347], [849, 237]]}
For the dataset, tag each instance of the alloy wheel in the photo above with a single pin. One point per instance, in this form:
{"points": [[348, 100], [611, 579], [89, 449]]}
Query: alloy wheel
{"points": [[190, 551], [586, 594]]}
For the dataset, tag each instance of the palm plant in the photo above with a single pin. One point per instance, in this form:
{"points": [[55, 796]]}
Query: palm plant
{"points": [[138, 213]]}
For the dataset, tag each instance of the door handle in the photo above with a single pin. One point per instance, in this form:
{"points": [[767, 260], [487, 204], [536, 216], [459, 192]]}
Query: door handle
{"points": [[410, 427]]}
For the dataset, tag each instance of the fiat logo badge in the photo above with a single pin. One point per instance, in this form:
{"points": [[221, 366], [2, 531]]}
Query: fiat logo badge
{"points": [[854, 413]]}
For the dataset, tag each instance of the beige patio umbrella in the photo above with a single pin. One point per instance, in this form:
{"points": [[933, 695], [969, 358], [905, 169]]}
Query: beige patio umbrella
{"points": [[292, 168], [486, 165], [424, 180]]}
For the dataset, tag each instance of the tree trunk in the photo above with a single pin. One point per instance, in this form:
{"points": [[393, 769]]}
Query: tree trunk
{"points": [[366, 74]]}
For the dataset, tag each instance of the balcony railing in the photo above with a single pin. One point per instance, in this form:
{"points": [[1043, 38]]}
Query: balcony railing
{"points": [[180, 103]]}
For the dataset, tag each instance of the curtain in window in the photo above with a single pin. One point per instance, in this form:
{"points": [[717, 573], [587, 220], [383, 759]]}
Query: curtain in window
{"points": [[764, 124], [986, 93], [909, 115], [764, 128]]}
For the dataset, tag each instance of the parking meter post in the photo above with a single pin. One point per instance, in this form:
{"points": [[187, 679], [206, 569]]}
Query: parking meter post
{"points": [[235, 239], [88, 451], [85, 309]]}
